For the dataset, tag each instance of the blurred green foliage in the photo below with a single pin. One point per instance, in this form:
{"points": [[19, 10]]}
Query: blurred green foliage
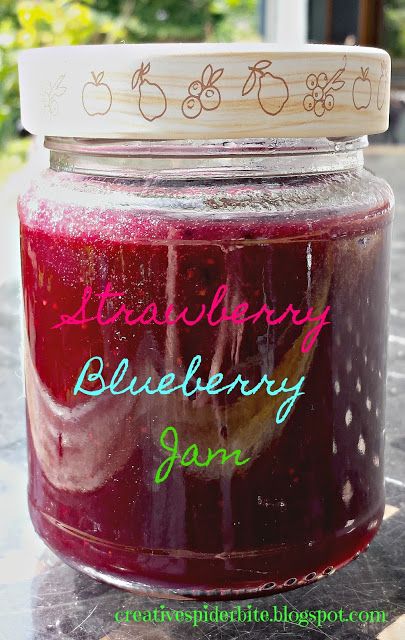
{"points": [[37, 23], [13, 156], [394, 22]]}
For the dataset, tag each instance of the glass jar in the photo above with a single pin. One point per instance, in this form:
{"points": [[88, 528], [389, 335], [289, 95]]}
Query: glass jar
{"points": [[206, 330]]}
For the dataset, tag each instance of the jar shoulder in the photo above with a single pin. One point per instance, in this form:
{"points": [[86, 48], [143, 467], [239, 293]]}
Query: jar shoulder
{"points": [[151, 206]]}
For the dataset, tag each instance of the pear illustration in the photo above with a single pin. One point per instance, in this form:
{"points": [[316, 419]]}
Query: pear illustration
{"points": [[152, 100], [273, 90], [382, 87]]}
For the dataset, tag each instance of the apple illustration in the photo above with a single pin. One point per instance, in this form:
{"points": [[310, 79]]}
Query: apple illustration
{"points": [[96, 96], [362, 90], [273, 90]]}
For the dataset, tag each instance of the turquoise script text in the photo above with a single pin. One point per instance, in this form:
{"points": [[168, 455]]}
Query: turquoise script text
{"points": [[189, 386]]}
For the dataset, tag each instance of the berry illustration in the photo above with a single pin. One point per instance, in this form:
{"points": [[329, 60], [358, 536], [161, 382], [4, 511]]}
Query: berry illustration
{"points": [[191, 107], [362, 90], [195, 88], [273, 90], [152, 100], [321, 98], [309, 102], [319, 108], [210, 98], [312, 81], [96, 96], [203, 94], [317, 93]]}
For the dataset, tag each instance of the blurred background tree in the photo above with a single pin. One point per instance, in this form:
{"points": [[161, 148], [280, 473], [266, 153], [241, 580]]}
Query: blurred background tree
{"points": [[36, 23], [394, 18]]}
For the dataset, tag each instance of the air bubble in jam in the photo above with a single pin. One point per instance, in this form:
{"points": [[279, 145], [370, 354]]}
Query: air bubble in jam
{"points": [[290, 582], [269, 586], [310, 576]]}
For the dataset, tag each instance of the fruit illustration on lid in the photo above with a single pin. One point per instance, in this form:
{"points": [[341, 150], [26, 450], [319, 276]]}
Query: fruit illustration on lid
{"points": [[52, 93], [362, 90], [152, 100], [321, 98], [203, 95], [96, 96], [382, 86], [273, 90]]}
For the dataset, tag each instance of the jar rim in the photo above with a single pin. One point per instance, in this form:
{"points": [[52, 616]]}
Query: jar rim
{"points": [[210, 159], [124, 147]]}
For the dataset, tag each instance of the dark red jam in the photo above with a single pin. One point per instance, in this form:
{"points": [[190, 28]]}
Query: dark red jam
{"points": [[310, 496]]}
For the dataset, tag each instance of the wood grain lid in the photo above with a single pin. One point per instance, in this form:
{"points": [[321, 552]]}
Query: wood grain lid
{"points": [[204, 91]]}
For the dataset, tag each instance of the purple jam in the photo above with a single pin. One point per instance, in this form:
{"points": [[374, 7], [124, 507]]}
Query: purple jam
{"points": [[311, 496]]}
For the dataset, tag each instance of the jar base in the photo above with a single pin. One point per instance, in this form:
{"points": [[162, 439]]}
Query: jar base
{"points": [[230, 576], [222, 594]]}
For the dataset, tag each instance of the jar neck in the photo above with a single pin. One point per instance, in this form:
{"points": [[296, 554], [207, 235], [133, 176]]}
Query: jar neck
{"points": [[207, 159]]}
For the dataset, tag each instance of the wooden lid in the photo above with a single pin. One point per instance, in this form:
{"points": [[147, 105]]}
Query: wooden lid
{"points": [[204, 91]]}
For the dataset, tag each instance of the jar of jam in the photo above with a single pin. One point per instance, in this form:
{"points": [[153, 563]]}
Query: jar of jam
{"points": [[205, 281]]}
